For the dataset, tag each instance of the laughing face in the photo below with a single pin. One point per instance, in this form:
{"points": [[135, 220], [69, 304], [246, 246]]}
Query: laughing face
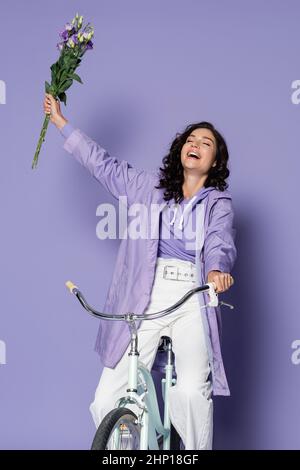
{"points": [[198, 154]]}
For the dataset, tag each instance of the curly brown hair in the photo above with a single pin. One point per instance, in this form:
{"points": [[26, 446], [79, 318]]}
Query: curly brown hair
{"points": [[171, 176]]}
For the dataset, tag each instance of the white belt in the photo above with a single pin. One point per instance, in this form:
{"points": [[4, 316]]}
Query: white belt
{"points": [[179, 273]]}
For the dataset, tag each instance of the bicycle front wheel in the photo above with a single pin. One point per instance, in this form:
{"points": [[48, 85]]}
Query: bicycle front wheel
{"points": [[119, 430]]}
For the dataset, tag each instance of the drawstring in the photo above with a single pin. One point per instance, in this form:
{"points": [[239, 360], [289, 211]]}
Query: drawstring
{"points": [[174, 216], [180, 225]]}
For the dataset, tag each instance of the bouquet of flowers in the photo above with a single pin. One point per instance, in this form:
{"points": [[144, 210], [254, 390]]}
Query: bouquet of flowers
{"points": [[75, 41]]}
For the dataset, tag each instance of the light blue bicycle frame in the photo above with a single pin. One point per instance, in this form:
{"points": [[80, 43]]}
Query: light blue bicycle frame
{"points": [[143, 395]]}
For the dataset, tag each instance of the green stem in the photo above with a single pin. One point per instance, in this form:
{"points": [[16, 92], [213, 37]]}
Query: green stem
{"points": [[41, 140]]}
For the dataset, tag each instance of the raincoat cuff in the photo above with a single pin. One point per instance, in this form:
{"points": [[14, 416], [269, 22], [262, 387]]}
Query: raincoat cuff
{"points": [[71, 143], [67, 130], [217, 267]]}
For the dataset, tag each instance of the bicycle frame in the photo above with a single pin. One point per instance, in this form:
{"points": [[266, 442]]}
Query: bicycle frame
{"points": [[146, 400], [143, 394]]}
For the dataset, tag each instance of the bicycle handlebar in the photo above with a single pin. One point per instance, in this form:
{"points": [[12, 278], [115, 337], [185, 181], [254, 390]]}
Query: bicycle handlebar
{"points": [[209, 287]]}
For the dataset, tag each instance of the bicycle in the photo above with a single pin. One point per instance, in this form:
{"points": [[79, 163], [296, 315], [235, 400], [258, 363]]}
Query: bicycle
{"points": [[121, 428]]}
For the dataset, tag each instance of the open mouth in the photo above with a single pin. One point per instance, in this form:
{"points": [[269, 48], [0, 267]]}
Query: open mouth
{"points": [[193, 155]]}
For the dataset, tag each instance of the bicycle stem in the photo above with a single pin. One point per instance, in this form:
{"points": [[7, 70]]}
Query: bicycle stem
{"points": [[133, 335]]}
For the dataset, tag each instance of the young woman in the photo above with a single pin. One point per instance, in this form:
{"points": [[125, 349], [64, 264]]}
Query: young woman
{"points": [[191, 242]]}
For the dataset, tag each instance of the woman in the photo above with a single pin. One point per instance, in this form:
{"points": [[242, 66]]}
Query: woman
{"points": [[191, 242]]}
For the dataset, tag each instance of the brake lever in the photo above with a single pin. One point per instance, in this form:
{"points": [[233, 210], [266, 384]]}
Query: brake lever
{"points": [[214, 300], [226, 305]]}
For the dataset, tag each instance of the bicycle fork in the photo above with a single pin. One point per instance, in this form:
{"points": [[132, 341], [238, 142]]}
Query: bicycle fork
{"points": [[132, 389]]}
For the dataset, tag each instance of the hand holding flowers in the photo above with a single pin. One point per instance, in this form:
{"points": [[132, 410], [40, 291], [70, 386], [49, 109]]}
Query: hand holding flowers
{"points": [[52, 107]]}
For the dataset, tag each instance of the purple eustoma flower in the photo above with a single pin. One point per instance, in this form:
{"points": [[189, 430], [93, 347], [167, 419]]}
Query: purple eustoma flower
{"points": [[69, 27], [89, 45], [74, 38], [64, 35]]}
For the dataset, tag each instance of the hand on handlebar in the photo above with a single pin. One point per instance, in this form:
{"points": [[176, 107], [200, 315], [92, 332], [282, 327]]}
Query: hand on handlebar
{"points": [[213, 295], [223, 281]]}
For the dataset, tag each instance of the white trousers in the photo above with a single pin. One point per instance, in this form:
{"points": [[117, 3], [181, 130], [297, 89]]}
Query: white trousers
{"points": [[191, 405]]}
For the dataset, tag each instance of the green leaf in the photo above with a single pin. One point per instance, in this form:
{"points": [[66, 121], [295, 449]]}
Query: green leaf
{"points": [[58, 73], [64, 74], [54, 72], [66, 84], [66, 59], [76, 77], [47, 87], [63, 78], [63, 97], [54, 67]]}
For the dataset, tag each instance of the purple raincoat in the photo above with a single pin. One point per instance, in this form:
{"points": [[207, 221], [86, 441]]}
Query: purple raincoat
{"points": [[133, 276]]}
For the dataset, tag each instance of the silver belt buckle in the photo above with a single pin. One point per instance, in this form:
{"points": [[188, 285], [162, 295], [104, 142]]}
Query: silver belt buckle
{"points": [[170, 272], [177, 274]]}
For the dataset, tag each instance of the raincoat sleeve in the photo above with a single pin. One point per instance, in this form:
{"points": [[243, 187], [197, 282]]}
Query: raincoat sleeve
{"points": [[219, 244], [117, 176]]}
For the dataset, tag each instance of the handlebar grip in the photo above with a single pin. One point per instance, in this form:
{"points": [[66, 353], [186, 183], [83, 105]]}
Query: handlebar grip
{"points": [[71, 286], [214, 301]]}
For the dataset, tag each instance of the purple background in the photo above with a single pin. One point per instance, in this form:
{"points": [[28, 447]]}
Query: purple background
{"points": [[156, 67]]}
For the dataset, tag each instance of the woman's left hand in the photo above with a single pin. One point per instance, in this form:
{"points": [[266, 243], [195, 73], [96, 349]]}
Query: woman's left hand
{"points": [[223, 281]]}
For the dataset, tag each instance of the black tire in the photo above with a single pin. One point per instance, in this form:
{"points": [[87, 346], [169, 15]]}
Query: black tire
{"points": [[110, 422], [174, 441]]}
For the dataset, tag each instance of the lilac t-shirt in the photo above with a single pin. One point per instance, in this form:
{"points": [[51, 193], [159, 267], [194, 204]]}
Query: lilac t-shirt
{"points": [[177, 235]]}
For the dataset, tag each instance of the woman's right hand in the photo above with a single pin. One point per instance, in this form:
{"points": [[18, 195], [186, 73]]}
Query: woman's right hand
{"points": [[52, 107]]}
